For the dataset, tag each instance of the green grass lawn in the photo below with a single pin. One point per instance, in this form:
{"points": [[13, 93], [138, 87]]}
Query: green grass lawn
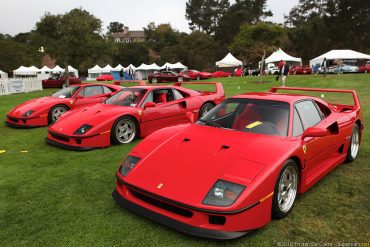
{"points": [[50, 196]]}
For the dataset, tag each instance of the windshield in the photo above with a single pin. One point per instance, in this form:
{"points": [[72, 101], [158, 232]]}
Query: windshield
{"points": [[250, 115], [127, 97], [66, 92]]}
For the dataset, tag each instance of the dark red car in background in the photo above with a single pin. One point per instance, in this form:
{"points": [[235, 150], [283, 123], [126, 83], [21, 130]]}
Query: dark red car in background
{"points": [[364, 68], [299, 70], [59, 81], [196, 75], [220, 73], [166, 76]]}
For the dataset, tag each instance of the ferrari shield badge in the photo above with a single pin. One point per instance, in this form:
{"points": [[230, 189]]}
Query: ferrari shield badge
{"points": [[304, 149], [139, 112]]}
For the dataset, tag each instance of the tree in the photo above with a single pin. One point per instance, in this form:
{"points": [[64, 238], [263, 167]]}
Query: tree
{"points": [[149, 32], [255, 41], [115, 27], [242, 12], [72, 38], [204, 15], [127, 53]]}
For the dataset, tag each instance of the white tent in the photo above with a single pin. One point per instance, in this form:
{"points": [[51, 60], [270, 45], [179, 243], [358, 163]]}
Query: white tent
{"points": [[58, 69], [279, 55], [229, 61], [175, 66], [119, 67], [94, 73], [45, 70], [107, 69], [73, 70], [144, 70], [25, 71], [3, 75], [339, 54]]}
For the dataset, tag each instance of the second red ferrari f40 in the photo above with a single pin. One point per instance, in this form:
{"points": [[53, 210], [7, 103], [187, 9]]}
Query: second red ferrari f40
{"points": [[132, 112]]}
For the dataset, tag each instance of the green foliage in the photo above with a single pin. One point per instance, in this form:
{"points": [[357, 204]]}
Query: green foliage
{"points": [[127, 53], [321, 25], [14, 54], [255, 41], [72, 38], [242, 12], [115, 27], [204, 15]]}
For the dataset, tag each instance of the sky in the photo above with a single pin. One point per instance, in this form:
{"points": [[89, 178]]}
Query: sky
{"points": [[21, 15]]}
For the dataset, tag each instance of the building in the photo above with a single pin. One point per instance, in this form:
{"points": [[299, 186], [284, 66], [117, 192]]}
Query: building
{"points": [[128, 36]]}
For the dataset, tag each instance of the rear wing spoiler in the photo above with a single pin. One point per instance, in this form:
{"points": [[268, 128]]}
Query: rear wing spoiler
{"points": [[140, 83], [219, 88], [353, 92]]}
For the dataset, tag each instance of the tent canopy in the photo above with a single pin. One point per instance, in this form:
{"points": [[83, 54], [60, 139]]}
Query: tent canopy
{"points": [[279, 55], [26, 70], [45, 69], [177, 65], [119, 67], [339, 54], [229, 61], [2, 72], [107, 69], [58, 69], [95, 69], [131, 67]]}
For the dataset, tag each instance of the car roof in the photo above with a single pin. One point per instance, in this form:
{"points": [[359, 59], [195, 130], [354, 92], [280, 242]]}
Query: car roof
{"points": [[289, 98]]}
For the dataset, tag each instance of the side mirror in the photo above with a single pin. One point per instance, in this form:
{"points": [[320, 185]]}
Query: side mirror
{"points": [[190, 116], [149, 104], [79, 97], [314, 132]]}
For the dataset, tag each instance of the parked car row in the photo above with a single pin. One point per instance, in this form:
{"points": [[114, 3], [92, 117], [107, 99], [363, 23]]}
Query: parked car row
{"points": [[207, 166]]}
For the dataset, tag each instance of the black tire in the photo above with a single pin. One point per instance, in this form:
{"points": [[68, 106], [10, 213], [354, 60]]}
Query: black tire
{"points": [[353, 149], [205, 108], [52, 115], [276, 211], [114, 134]]}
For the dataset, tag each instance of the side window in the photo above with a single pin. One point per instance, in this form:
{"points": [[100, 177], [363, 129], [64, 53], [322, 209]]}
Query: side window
{"points": [[297, 124], [308, 112], [160, 96], [176, 94], [324, 110], [91, 91], [106, 89]]}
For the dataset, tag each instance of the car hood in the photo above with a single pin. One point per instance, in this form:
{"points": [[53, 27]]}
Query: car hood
{"points": [[191, 161], [35, 105], [93, 115]]}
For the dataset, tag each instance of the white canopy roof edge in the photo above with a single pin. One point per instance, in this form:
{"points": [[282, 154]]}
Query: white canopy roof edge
{"points": [[279, 55], [107, 69], [339, 54], [95, 69], [119, 67], [229, 61]]}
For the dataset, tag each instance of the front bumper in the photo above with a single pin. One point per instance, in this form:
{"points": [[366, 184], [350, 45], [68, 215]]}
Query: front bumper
{"points": [[78, 143], [68, 147], [26, 122], [192, 220], [162, 219]]}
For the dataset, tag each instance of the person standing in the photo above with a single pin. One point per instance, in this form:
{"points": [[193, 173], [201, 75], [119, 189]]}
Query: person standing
{"points": [[121, 74], [284, 73], [280, 66], [324, 66]]}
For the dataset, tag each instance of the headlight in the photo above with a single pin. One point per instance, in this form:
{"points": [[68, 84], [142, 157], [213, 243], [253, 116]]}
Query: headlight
{"points": [[28, 113], [83, 129], [223, 193], [127, 165]]}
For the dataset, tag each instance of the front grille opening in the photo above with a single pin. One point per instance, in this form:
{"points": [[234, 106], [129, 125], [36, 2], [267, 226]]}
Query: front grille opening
{"points": [[24, 121], [163, 205], [216, 220], [78, 141], [61, 138], [13, 119]]}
